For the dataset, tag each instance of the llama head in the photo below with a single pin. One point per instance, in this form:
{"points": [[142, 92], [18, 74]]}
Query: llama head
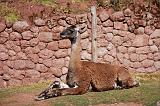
{"points": [[47, 93], [51, 90], [69, 33]]}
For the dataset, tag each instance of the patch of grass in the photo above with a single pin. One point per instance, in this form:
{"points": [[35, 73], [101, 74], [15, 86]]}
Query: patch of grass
{"points": [[7, 92], [51, 3], [10, 14], [147, 94]]}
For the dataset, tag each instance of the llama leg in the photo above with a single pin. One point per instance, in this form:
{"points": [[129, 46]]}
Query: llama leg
{"points": [[125, 79], [128, 83], [49, 93], [98, 87], [81, 89]]}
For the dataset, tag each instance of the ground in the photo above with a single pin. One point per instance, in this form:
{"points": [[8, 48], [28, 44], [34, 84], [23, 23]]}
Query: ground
{"points": [[147, 94]]}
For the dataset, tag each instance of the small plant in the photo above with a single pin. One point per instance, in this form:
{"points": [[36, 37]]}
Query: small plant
{"points": [[10, 14], [51, 3], [103, 3]]}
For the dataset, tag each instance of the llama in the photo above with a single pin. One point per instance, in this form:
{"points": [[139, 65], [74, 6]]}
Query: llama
{"points": [[83, 74]]}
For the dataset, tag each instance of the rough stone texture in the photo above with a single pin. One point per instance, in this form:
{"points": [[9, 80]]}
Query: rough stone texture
{"points": [[52, 45], [147, 63], [107, 30], [103, 15], [108, 58], [61, 53], [20, 26], [156, 34], [30, 54], [3, 48], [39, 22], [3, 56], [141, 40], [33, 57], [143, 50], [27, 35], [45, 36], [139, 31], [85, 55], [19, 64], [14, 82], [15, 36], [2, 27], [47, 62], [117, 16], [134, 57], [156, 56], [41, 68], [157, 65], [117, 40], [120, 26], [154, 48], [34, 42], [143, 57], [45, 54], [64, 44], [58, 63], [149, 30], [3, 83], [122, 49], [3, 37], [32, 73], [109, 36], [128, 12], [56, 72]]}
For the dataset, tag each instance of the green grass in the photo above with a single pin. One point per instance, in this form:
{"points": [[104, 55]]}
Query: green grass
{"points": [[7, 92], [148, 94], [10, 14]]}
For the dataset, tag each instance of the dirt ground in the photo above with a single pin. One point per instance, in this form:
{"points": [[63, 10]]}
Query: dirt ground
{"points": [[23, 99], [27, 99]]}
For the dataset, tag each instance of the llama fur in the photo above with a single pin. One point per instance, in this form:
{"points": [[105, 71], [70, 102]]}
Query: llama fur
{"points": [[83, 74]]}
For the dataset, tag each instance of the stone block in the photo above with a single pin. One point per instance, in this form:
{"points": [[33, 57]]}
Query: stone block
{"points": [[20, 26], [63, 44], [27, 35], [53, 46], [45, 37]]}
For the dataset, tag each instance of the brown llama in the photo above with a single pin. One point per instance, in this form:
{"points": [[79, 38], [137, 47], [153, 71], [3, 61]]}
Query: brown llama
{"points": [[83, 74]]}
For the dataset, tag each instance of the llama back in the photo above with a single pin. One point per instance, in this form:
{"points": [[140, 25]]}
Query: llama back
{"points": [[102, 75]]}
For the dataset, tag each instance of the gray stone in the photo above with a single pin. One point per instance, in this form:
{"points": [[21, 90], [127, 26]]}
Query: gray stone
{"points": [[103, 15], [39, 22], [20, 26], [117, 16], [27, 35]]}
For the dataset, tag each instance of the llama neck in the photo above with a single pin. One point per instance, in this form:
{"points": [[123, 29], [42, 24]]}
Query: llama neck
{"points": [[75, 53]]}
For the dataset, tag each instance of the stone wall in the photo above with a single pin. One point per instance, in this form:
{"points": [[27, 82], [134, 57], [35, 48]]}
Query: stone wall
{"points": [[34, 53]]}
